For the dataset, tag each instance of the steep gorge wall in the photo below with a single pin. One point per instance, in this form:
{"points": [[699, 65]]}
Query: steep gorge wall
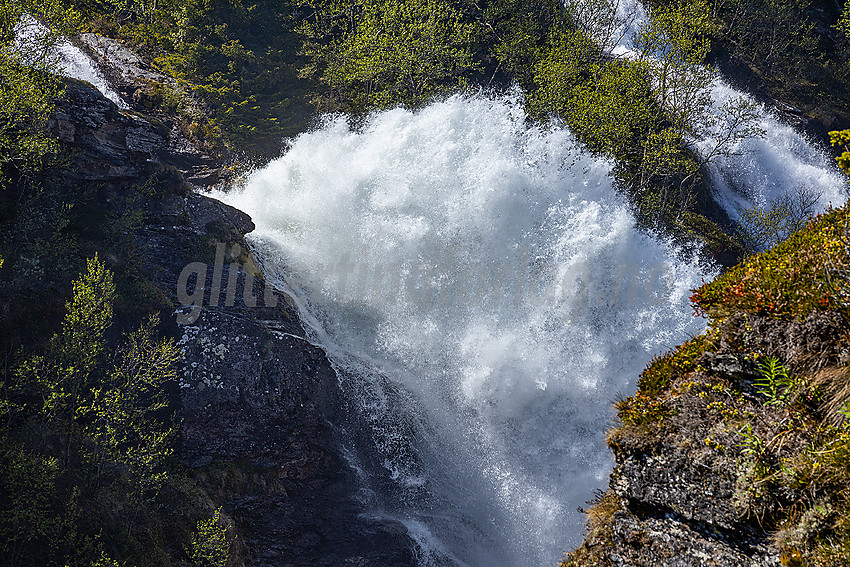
{"points": [[258, 405]]}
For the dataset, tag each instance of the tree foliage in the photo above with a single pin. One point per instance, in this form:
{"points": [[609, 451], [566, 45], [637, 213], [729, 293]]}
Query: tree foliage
{"points": [[123, 417], [766, 226], [776, 36], [210, 545], [28, 88], [27, 494], [379, 53], [653, 111], [85, 424], [841, 139]]}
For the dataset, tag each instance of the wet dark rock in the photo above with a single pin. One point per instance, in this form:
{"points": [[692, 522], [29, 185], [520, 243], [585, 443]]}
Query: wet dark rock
{"points": [[790, 114], [258, 403], [730, 364], [108, 144], [686, 489], [123, 68], [813, 337], [666, 540], [687, 482]]}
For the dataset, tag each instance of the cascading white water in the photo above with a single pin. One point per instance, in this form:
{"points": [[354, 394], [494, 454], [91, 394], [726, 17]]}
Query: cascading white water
{"points": [[70, 60], [483, 293], [77, 65], [765, 168], [761, 169], [481, 288]]}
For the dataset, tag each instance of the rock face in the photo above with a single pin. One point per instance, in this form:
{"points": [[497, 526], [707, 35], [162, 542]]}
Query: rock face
{"points": [[671, 542], [123, 68], [708, 459], [258, 402], [109, 145], [145, 87]]}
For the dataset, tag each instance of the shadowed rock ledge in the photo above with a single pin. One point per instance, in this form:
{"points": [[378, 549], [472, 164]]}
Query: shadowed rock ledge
{"points": [[258, 404]]}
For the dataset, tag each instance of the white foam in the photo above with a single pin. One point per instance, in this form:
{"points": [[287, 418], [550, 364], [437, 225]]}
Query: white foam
{"points": [[416, 248]]}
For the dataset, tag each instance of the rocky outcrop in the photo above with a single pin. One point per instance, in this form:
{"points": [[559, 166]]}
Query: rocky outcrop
{"points": [[258, 403], [666, 540], [721, 460], [108, 144], [147, 89]]}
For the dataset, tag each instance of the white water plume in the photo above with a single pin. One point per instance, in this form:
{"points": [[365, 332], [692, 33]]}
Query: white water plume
{"points": [[483, 292]]}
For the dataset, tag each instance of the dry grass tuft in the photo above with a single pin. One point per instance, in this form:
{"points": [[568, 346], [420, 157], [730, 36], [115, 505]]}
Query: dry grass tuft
{"points": [[833, 384]]}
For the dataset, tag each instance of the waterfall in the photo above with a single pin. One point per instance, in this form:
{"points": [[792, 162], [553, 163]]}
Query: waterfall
{"points": [[761, 169], [764, 168], [482, 291], [70, 60], [484, 295], [77, 65]]}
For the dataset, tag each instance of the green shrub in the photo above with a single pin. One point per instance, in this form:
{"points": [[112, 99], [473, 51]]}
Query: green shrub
{"points": [[381, 53], [764, 227], [775, 383], [791, 280], [211, 542], [663, 370]]}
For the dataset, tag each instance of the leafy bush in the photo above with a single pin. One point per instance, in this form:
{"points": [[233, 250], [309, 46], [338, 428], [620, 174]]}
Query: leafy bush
{"points": [[379, 53], [85, 441], [211, 542]]}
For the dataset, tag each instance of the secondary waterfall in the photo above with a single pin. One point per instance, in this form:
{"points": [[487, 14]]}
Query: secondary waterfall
{"points": [[763, 168], [481, 288], [78, 65], [70, 60]]}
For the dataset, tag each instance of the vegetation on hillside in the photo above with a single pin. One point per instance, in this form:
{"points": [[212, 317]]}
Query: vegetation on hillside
{"points": [[795, 278], [241, 59], [794, 51], [86, 435], [86, 429]]}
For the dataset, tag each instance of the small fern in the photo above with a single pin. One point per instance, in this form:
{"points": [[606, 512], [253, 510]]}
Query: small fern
{"points": [[752, 445], [775, 383]]}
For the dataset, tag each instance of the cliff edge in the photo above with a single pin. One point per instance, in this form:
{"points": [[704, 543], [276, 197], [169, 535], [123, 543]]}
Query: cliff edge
{"points": [[734, 449]]}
